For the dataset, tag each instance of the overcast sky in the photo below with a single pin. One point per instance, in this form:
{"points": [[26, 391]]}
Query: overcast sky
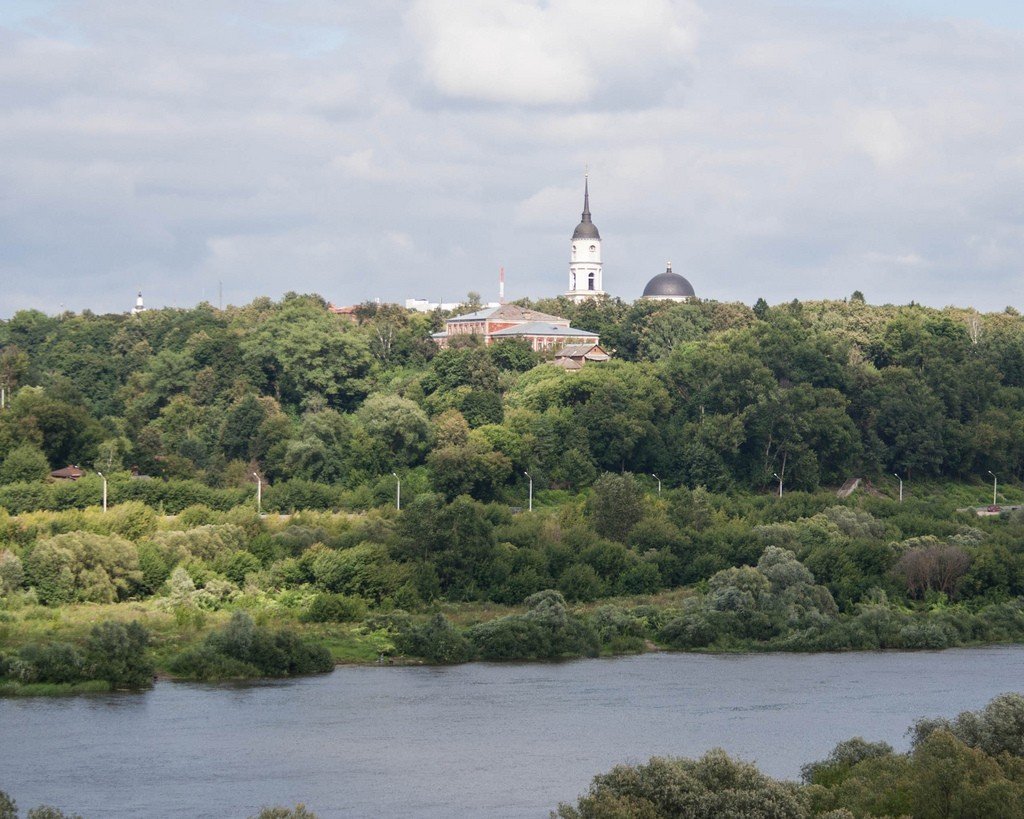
{"points": [[386, 149]]}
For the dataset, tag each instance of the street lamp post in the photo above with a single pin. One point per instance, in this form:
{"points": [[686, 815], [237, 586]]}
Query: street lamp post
{"points": [[658, 480], [901, 485], [530, 507], [776, 476], [398, 492], [104, 490], [995, 486], [259, 494]]}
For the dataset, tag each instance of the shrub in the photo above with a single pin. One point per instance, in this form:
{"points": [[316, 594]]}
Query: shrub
{"points": [[83, 566], [546, 631], [696, 629], [580, 582], [924, 635], [117, 653], [133, 520], [243, 649], [335, 608], [615, 505], [843, 757], [436, 641], [712, 786], [617, 629], [298, 812], [154, 568], [54, 662], [237, 565], [643, 578], [24, 463], [198, 514], [206, 542], [12, 572]]}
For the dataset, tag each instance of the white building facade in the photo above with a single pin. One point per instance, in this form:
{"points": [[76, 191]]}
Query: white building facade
{"points": [[585, 256]]}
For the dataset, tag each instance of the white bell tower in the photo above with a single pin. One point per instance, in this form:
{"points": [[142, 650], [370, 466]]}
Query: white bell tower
{"points": [[585, 255]]}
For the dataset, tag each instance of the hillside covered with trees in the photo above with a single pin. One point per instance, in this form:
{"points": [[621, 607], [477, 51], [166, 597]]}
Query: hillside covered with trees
{"points": [[714, 395], [712, 398]]}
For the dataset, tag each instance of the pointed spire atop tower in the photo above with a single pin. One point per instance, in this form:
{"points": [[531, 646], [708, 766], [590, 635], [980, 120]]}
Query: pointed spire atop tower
{"points": [[585, 253], [586, 228]]}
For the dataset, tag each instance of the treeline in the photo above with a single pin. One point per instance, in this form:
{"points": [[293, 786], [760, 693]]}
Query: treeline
{"points": [[618, 540], [970, 767], [713, 395]]}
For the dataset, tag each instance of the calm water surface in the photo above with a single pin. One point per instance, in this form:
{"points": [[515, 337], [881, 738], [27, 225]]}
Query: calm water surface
{"points": [[476, 740]]}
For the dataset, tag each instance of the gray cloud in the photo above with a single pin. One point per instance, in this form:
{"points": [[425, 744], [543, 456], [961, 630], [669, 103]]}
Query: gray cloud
{"points": [[410, 149]]}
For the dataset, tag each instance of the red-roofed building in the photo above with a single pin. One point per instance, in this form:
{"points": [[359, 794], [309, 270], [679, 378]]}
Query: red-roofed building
{"points": [[541, 330], [68, 473]]}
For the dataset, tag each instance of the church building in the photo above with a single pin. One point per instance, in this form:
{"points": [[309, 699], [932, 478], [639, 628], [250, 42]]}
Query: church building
{"points": [[669, 286], [585, 256]]}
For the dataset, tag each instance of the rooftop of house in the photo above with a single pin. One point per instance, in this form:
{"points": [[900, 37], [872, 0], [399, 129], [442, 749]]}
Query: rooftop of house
{"points": [[544, 328]]}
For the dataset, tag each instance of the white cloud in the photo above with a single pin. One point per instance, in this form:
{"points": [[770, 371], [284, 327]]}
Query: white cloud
{"points": [[529, 52], [879, 134], [410, 148]]}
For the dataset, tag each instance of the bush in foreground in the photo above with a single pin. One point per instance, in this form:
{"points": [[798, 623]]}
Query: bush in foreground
{"points": [[9, 810], [970, 768], [713, 786]]}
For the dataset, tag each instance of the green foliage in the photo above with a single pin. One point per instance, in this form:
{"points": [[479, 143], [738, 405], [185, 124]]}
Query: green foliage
{"points": [[113, 652], [300, 811], [24, 463], [996, 729], [12, 572], [546, 631], [50, 812], [579, 582], [117, 653], [435, 641], [83, 566], [712, 787], [777, 599], [242, 649], [615, 505], [942, 776], [335, 608]]}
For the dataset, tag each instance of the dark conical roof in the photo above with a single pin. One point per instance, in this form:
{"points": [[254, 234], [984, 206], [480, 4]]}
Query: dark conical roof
{"points": [[586, 229], [668, 285]]}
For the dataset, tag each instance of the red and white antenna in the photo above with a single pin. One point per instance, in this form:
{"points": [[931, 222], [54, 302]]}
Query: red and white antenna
{"points": [[501, 286]]}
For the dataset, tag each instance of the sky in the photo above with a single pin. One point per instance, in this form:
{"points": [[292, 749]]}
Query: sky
{"points": [[410, 149]]}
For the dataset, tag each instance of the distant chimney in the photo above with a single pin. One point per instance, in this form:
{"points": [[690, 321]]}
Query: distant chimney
{"points": [[501, 286]]}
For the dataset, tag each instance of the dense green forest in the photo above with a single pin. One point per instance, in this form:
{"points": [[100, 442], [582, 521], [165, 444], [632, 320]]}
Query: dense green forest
{"points": [[713, 399], [714, 395]]}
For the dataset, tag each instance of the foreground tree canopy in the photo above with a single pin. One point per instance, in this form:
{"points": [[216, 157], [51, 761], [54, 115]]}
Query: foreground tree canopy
{"points": [[970, 769]]}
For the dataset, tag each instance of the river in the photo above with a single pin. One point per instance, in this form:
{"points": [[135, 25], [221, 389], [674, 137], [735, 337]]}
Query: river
{"points": [[481, 740]]}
